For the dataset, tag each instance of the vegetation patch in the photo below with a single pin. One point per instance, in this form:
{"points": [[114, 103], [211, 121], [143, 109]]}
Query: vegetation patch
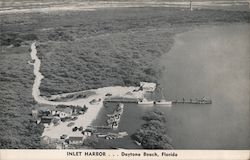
{"points": [[119, 59], [17, 128], [152, 134], [15, 38]]}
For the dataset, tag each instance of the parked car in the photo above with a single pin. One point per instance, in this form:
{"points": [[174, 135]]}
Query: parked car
{"points": [[70, 124], [108, 94], [80, 128], [95, 101], [74, 129], [66, 119], [81, 112], [74, 118], [64, 136]]}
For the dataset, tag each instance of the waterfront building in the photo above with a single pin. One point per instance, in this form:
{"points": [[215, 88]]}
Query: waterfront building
{"points": [[75, 140]]}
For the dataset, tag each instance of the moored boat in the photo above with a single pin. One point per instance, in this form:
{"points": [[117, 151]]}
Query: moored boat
{"points": [[145, 102], [137, 143], [121, 105], [163, 102]]}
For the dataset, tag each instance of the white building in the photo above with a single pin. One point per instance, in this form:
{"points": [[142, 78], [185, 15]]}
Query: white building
{"points": [[65, 112], [75, 140], [88, 132]]}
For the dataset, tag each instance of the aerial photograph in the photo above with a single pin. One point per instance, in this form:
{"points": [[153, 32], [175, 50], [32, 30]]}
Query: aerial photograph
{"points": [[125, 74]]}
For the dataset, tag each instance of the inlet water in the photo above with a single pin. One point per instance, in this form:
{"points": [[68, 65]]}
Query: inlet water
{"points": [[212, 62]]}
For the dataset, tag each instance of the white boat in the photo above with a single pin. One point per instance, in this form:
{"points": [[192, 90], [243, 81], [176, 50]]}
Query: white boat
{"points": [[115, 125], [123, 133], [163, 102], [121, 105], [137, 143], [145, 102]]}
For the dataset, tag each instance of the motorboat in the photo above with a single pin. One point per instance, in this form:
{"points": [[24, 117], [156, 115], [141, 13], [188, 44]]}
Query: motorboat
{"points": [[163, 102], [121, 105], [145, 102]]}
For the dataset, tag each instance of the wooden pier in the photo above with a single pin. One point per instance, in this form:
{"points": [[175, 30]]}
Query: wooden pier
{"points": [[134, 100], [191, 101]]}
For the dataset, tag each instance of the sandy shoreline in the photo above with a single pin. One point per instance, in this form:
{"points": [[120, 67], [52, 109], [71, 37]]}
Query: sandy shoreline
{"points": [[93, 109]]}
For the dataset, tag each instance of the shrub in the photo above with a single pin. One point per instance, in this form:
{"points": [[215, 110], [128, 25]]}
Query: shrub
{"points": [[152, 134], [90, 141], [154, 125], [154, 115]]}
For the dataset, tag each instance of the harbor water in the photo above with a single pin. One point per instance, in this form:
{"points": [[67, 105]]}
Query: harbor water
{"points": [[210, 61]]}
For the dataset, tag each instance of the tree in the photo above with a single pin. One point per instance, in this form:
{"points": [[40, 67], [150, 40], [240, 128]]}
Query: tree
{"points": [[154, 115], [154, 125], [152, 134], [90, 141]]}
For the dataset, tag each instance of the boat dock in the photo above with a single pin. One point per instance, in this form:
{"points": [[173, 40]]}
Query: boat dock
{"points": [[114, 118], [191, 101], [134, 100]]}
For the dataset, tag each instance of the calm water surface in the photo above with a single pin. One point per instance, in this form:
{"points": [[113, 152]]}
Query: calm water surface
{"points": [[212, 62]]}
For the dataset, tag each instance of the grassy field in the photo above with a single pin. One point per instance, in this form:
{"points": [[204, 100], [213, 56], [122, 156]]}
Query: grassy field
{"points": [[82, 50]]}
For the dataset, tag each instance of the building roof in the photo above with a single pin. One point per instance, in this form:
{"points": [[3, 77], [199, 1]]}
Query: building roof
{"points": [[46, 120], [66, 110], [89, 130], [75, 138]]}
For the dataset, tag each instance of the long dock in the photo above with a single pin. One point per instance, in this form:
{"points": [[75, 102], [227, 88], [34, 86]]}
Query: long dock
{"points": [[196, 101], [134, 100]]}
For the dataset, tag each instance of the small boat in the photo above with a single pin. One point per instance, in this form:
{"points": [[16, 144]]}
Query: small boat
{"points": [[101, 135], [137, 143], [163, 101], [145, 102], [115, 125], [122, 134], [121, 105]]}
